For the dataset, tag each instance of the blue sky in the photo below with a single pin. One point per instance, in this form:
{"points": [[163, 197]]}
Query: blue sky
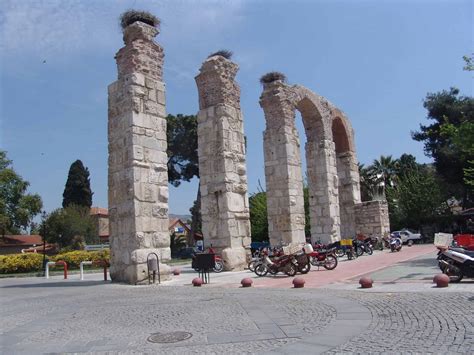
{"points": [[376, 60]]}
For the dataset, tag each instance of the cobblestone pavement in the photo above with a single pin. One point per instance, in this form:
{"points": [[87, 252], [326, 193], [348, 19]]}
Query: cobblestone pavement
{"points": [[80, 317]]}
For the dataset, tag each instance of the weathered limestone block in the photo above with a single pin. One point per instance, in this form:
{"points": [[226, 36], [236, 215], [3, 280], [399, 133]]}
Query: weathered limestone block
{"points": [[372, 218], [221, 151], [138, 178]]}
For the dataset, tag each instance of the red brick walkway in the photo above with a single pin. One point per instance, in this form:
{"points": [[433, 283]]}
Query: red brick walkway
{"points": [[348, 269]]}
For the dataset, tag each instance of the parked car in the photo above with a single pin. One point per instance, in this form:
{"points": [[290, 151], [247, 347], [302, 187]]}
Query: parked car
{"points": [[407, 236]]}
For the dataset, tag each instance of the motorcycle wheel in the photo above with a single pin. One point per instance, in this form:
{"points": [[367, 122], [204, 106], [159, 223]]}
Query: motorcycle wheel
{"points": [[455, 276], [251, 266], [304, 269], [392, 249], [369, 250], [219, 266], [291, 269], [339, 253], [331, 262], [261, 270], [359, 251]]}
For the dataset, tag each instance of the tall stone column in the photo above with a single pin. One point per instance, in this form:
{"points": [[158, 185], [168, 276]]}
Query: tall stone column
{"points": [[349, 191], [222, 166], [138, 177], [283, 176], [323, 190]]}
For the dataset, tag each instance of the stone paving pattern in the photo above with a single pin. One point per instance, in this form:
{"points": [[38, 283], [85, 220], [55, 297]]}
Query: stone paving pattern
{"points": [[95, 317]]}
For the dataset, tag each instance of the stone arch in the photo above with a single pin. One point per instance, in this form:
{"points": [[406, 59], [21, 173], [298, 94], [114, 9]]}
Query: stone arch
{"points": [[326, 127]]}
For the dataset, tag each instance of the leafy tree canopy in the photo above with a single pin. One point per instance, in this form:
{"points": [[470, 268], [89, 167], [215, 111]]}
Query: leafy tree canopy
{"points": [[78, 187], [70, 227], [452, 116], [258, 217], [17, 207], [183, 162]]}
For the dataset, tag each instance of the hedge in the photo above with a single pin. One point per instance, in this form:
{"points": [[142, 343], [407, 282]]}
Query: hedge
{"points": [[30, 262], [74, 258], [20, 263]]}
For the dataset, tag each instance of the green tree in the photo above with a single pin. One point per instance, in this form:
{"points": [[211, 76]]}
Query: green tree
{"points": [[183, 162], [78, 187], [70, 227], [368, 183], [418, 198], [384, 170], [448, 111], [17, 207], [258, 216], [176, 243]]}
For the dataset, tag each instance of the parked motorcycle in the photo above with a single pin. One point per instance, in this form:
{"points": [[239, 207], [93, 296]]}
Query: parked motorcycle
{"points": [[456, 263], [257, 258], [284, 263], [324, 258], [395, 244], [219, 263]]}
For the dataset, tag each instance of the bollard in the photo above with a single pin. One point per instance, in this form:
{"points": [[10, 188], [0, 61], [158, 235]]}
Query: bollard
{"points": [[176, 272], [441, 280], [47, 268], [298, 282], [247, 282], [81, 268], [197, 282], [64, 264], [366, 282]]}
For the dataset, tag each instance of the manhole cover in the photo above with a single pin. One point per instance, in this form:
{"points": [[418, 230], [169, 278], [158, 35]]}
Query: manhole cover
{"points": [[172, 337]]}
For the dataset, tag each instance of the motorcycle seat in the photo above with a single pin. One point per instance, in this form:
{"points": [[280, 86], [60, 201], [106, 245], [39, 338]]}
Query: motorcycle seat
{"points": [[464, 251]]}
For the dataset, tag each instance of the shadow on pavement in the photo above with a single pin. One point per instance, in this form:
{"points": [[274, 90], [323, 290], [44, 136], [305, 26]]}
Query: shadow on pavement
{"points": [[59, 284]]}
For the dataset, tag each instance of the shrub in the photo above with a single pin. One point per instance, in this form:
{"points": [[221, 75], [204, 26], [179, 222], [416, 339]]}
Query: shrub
{"points": [[223, 53], [20, 263], [132, 16], [74, 258], [272, 76]]}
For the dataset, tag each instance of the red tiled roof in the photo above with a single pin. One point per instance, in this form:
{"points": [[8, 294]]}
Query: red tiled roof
{"points": [[21, 240], [99, 211]]}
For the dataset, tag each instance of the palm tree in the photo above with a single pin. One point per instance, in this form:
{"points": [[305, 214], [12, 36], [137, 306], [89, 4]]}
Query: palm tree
{"points": [[177, 242], [368, 183], [385, 171]]}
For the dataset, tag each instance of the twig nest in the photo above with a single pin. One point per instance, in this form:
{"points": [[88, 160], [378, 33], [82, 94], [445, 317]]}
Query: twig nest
{"points": [[197, 282], [246, 282], [441, 280], [298, 282], [366, 282]]}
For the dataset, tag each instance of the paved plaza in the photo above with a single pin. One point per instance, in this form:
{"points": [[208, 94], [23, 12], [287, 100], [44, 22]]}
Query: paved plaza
{"points": [[403, 313]]}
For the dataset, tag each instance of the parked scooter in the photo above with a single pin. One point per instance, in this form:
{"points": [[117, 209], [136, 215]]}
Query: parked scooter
{"points": [[395, 244], [457, 263]]}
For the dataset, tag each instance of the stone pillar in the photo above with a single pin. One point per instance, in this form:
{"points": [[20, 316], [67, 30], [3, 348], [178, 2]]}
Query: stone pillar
{"points": [[349, 192], [372, 218], [284, 181], [222, 165], [138, 177], [323, 186]]}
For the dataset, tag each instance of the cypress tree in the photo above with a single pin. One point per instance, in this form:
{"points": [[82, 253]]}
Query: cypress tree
{"points": [[78, 188]]}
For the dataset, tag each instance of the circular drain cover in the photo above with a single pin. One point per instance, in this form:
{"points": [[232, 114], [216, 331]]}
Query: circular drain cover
{"points": [[172, 337]]}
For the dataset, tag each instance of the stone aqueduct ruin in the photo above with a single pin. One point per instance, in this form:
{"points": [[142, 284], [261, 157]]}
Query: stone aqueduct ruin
{"points": [[138, 177]]}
